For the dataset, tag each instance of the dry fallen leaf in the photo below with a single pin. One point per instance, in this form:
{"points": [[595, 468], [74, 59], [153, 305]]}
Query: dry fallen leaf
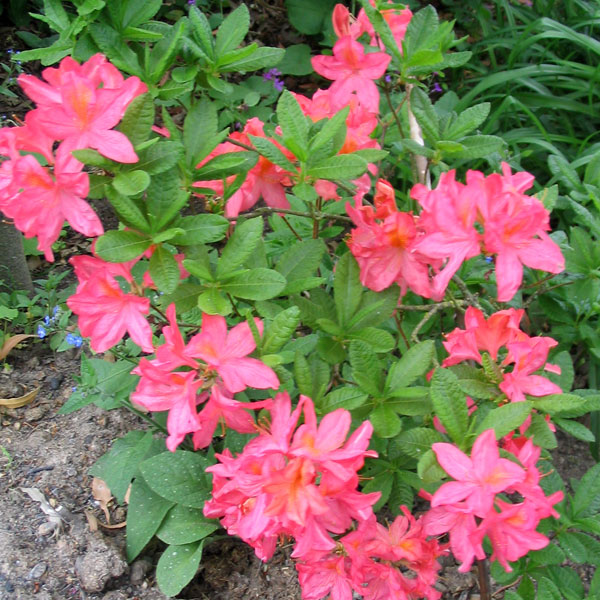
{"points": [[92, 521], [10, 342], [20, 401], [126, 499], [115, 526], [101, 493]]}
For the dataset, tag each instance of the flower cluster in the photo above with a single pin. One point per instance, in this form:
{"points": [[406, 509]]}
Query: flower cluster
{"points": [[526, 354], [446, 234], [301, 482], [77, 105], [470, 508], [265, 179], [181, 375]]}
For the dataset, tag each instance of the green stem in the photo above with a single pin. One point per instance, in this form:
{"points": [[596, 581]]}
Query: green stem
{"points": [[268, 210]]}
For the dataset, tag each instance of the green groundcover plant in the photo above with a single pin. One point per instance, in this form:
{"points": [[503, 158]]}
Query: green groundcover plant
{"points": [[360, 343]]}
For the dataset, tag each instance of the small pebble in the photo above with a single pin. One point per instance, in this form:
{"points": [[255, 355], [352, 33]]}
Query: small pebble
{"points": [[9, 587], [47, 528], [37, 571], [55, 382]]}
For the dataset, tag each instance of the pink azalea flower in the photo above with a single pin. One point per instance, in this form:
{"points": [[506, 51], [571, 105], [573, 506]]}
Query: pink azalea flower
{"points": [[72, 107], [177, 392], [328, 575], [528, 356], [515, 228], [105, 312], [448, 221], [512, 532], [481, 334], [226, 353], [384, 245], [477, 479], [352, 71], [47, 199]]}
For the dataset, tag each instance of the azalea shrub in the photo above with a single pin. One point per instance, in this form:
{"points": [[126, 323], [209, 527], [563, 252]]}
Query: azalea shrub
{"points": [[320, 332]]}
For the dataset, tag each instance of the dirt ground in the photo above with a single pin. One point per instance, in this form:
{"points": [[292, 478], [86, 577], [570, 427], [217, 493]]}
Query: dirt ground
{"points": [[49, 455]]}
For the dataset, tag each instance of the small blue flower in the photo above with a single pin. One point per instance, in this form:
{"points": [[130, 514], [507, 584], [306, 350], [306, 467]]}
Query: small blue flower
{"points": [[388, 78], [489, 259], [437, 88], [73, 340], [10, 51], [55, 311], [47, 320], [41, 332], [278, 84], [74, 388]]}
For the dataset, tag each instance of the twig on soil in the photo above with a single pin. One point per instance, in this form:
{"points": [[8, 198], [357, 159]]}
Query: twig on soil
{"points": [[484, 579]]}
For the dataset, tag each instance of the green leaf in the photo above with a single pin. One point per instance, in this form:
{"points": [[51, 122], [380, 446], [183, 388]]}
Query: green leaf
{"points": [[505, 419], [467, 121], [164, 270], [547, 590], [564, 405], [542, 435], [574, 428], [415, 362], [425, 114], [56, 14], [177, 567], [280, 330], [205, 228], [366, 369], [572, 546], [296, 60], [449, 404], [588, 493], [374, 308], [293, 123], [200, 130], [480, 146], [121, 246], [144, 516], [111, 44], [241, 245], [131, 183], [429, 469], [342, 166], [184, 525], [300, 261], [160, 157], [270, 151], [415, 442], [550, 555], [202, 32], [347, 289], [311, 376], [119, 465], [164, 52], [213, 302], [334, 126], [254, 284], [179, 476], [232, 30], [345, 397], [385, 421], [379, 339], [93, 158], [224, 165], [261, 58], [308, 16], [138, 119], [564, 172], [128, 210], [165, 198]]}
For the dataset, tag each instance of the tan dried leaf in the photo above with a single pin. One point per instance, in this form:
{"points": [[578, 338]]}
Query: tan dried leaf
{"points": [[101, 493], [20, 401], [12, 341]]}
